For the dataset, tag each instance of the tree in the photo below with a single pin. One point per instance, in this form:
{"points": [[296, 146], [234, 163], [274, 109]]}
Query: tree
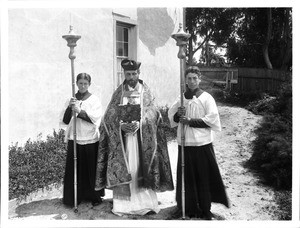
{"points": [[283, 37], [208, 24], [263, 38], [268, 35], [254, 37]]}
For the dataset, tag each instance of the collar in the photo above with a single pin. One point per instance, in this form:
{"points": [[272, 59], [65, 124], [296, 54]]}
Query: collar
{"points": [[190, 93], [83, 96], [139, 81], [129, 88]]}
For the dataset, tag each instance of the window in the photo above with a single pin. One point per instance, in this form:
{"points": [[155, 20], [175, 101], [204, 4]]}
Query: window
{"points": [[125, 45], [121, 50], [122, 41]]}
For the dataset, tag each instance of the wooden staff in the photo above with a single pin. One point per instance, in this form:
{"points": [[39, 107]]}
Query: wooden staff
{"points": [[182, 89], [71, 38], [181, 40]]}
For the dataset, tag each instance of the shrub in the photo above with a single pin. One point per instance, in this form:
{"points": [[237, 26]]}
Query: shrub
{"points": [[36, 165], [272, 153], [232, 97], [272, 150], [284, 106], [263, 106], [281, 104], [284, 199], [171, 133]]}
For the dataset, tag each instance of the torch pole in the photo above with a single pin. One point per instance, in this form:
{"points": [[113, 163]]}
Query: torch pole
{"points": [[182, 38], [182, 89], [71, 38], [74, 139]]}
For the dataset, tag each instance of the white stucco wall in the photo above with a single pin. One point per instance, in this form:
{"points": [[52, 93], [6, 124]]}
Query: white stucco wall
{"points": [[40, 70], [161, 71]]}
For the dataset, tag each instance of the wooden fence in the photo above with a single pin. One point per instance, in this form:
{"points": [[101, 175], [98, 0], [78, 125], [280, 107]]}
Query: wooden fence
{"points": [[246, 80], [260, 80], [224, 76]]}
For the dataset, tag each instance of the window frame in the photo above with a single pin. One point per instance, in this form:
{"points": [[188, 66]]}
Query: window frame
{"points": [[132, 25]]}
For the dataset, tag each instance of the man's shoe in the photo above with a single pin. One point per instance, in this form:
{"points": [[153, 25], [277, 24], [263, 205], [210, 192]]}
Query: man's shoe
{"points": [[96, 203], [177, 214], [207, 216]]}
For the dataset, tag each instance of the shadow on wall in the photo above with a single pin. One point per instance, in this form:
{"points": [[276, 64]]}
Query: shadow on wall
{"points": [[152, 32]]}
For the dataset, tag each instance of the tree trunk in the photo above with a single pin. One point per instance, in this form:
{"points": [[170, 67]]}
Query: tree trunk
{"points": [[267, 40], [207, 55], [288, 42], [266, 57], [191, 53]]}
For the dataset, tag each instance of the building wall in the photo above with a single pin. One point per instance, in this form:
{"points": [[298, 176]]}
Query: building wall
{"points": [[158, 52], [40, 70]]}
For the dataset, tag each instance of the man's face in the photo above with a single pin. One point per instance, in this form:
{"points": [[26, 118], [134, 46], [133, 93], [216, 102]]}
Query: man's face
{"points": [[192, 80], [131, 77]]}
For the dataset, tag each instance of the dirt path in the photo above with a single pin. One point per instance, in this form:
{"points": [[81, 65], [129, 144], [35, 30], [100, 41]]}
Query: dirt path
{"points": [[249, 199]]}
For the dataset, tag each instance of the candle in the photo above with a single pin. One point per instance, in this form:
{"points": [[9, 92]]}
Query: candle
{"points": [[71, 20]]}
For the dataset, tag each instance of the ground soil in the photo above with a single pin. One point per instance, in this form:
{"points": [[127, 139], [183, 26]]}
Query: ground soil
{"points": [[249, 198]]}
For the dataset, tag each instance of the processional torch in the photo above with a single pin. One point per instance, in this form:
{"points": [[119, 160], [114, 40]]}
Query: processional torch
{"points": [[72, 38], [181, 40]]}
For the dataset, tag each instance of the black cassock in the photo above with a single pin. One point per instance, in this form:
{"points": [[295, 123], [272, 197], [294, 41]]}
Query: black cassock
{"points": [[86, 173], [86, 165], [203, 182]]}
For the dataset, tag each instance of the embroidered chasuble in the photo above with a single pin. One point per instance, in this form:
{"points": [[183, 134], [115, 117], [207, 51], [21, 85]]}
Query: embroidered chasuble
{"points": [[135, 162]]}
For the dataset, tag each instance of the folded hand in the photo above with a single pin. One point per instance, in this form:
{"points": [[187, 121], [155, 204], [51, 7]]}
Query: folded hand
{"points": [[184, 120], [181, 111], [75, 105], [130, 127]]}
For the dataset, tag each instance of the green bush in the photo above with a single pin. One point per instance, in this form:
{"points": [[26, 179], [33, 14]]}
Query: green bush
{"points": [[284, 199], [232, 97], [36, 165], [263, 106], [171, 133], [281, 104], [272, 149], [217, 93], [272, 152]]}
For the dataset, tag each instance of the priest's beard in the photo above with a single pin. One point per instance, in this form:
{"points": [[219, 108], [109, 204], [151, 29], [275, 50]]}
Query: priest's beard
{"points": [[132, 83]]}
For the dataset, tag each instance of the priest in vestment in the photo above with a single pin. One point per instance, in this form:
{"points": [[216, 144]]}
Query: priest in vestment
{"points": [[133, 157]]}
